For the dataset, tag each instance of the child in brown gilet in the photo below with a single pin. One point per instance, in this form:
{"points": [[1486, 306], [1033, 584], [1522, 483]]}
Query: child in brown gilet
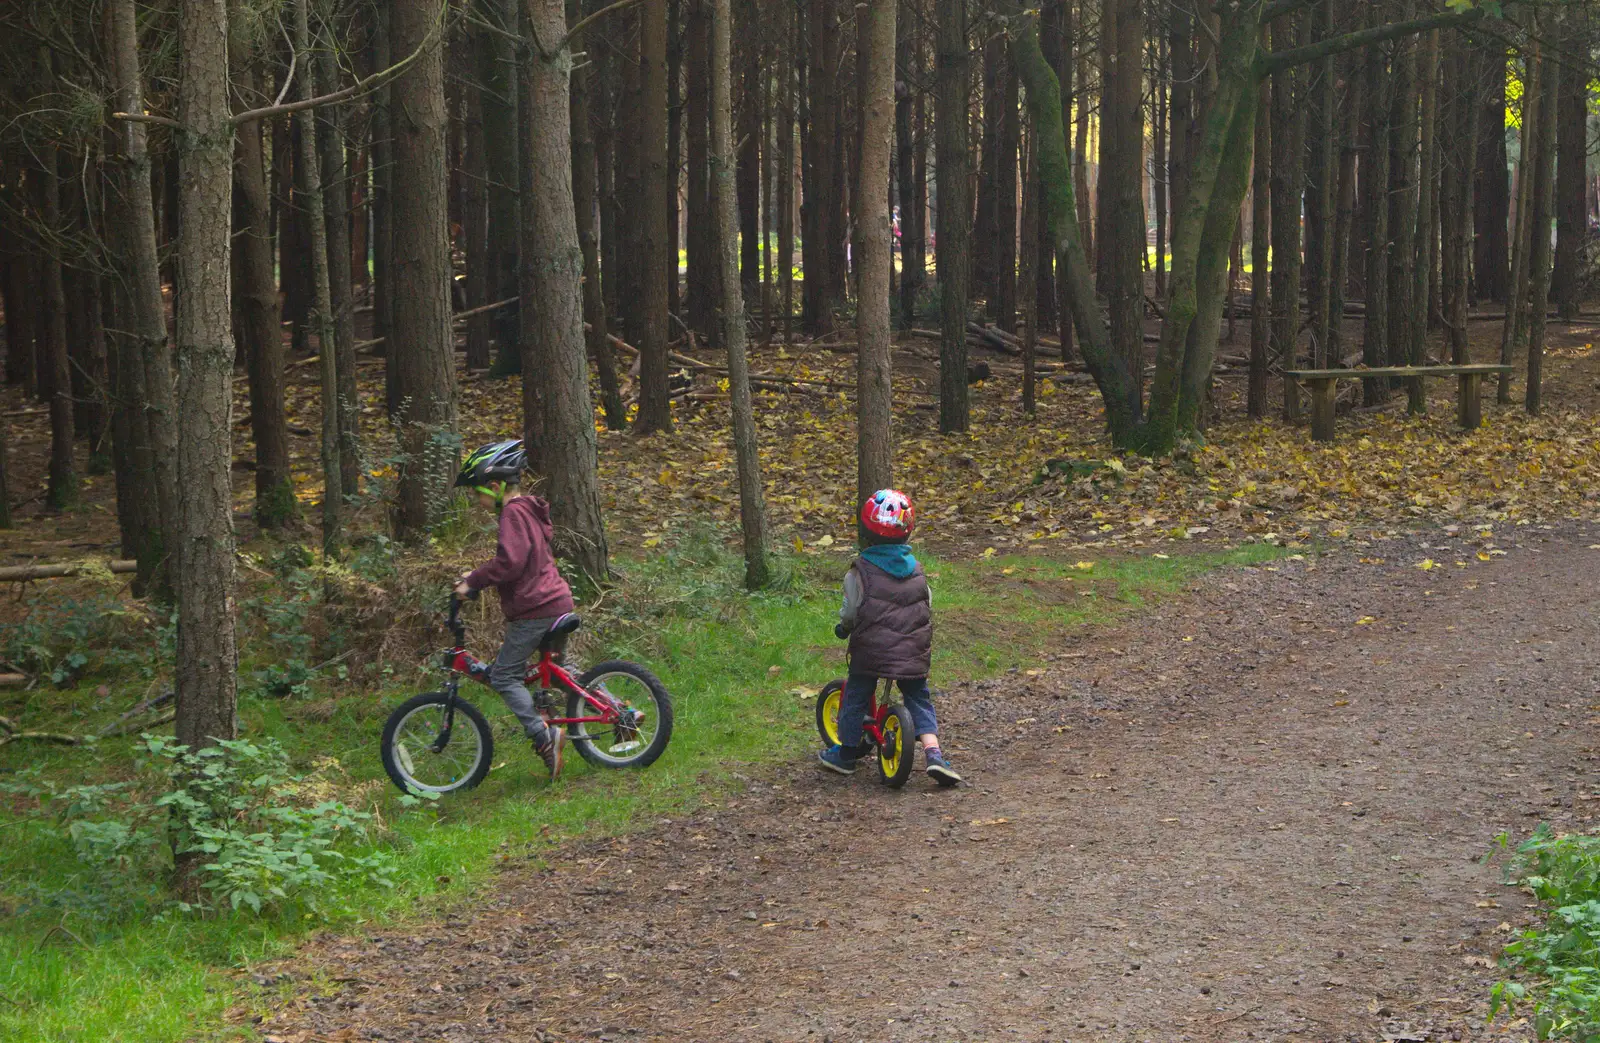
{"points": [[888, 618]]}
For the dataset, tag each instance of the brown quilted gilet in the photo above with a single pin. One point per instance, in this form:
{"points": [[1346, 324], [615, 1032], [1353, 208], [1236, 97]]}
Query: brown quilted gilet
{"points": [[893, 635]]}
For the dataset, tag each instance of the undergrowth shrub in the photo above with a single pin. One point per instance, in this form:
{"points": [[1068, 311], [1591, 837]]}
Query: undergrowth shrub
{"points": [[61, 640], [1563, 872], [276, 841]]}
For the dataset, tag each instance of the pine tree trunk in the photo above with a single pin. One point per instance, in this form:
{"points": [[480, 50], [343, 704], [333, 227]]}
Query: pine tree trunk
{"points": [[421, 340], [497, 75], [558, 415], [985, 224], [1344, 214], [1402, 198], [786, 164], [474, 234], [874, 396], [1027, 280], [382, 126], [1321, 190], [1491, 190], [702, 285], [1542, 210], [1571, 207], [55, 369], [1375, 171], [585, 174], [1426, 240], [1003, 301], [1514, 332], [1158, 163], [1121, 178], [747, 115], [675, 43], [130, 447], [341, 296], [1080, 148], [1260, 255], [150, 348], [655, 409], [819, 202], [730, 309], [1288, 169], [207, 658], [908, 73], [322, 320], [20, 319], [952, 250], [1458, 152], [255, 298]]}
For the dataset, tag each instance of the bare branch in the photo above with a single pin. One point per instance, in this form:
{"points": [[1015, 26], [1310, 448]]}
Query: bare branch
{"points": [[1280, 60], [145, 117], [370, 83], [583, 22]]}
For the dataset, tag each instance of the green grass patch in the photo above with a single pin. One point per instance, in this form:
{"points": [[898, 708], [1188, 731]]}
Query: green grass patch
{"points": [[1561, 955], [84, 958]]}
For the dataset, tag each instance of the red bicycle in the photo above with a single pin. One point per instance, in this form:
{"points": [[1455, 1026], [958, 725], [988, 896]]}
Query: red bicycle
{"points": [[887, 729], [618, 715]]}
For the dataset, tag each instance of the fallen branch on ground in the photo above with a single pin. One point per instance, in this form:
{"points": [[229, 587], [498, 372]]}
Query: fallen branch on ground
{"points": [[11, 732], [26, 573]]}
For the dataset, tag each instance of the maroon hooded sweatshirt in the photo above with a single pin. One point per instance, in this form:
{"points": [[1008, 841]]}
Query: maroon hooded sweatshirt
{"points": [[524, 569]]}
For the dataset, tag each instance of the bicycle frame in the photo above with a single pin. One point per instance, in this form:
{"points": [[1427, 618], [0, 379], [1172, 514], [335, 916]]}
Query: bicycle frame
{"points": [[545, 674], [877, 712]]}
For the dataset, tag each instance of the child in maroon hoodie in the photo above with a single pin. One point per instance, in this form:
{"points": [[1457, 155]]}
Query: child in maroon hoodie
{"points": [[532, 593]]}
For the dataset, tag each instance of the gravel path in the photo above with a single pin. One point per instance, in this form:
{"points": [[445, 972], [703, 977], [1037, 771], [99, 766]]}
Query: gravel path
{"points": [[1258, 812]]}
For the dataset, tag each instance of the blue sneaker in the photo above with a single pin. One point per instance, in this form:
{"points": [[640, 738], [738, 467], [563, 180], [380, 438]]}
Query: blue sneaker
{"points": [[939, 769], [834, 758]]}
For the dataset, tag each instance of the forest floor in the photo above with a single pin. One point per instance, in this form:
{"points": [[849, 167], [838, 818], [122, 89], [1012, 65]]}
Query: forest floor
{"points": [[1261, 811]]}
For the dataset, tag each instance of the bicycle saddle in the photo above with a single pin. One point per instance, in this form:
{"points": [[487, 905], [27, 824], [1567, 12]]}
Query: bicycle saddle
{"points": [[563, 626]]}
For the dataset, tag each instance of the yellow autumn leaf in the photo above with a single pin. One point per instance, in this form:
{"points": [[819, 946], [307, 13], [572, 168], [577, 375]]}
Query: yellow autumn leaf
{"points": [[1427, 563], [1084, 565]]}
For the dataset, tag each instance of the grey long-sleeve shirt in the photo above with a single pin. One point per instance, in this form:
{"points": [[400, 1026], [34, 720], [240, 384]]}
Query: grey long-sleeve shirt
{"points": [[853, 597]]}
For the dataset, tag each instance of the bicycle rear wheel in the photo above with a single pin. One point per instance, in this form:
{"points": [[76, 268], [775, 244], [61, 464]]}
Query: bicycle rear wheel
{"points": [[430, 748], [642, 698]]}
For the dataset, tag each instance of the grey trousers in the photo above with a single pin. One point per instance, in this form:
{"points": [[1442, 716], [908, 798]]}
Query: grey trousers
{"points": [[510, 668]]}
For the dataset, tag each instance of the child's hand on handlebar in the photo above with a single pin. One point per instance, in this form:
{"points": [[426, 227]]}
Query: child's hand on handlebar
{"points": [[461, 588]]}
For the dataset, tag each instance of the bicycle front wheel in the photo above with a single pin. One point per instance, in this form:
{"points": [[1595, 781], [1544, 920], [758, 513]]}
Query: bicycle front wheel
{"points": [[642, 735], [429, 747]]}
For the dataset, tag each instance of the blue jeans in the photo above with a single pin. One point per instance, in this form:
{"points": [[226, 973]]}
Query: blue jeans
{"points": [[510, 667], [858, 693]]}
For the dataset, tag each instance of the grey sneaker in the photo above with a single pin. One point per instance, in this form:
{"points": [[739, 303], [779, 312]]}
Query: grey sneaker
{"points": [[550, 752], [939, 769]]}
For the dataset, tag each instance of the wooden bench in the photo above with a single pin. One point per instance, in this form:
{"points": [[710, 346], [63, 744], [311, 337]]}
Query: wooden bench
{"points": [[1324, 384]]}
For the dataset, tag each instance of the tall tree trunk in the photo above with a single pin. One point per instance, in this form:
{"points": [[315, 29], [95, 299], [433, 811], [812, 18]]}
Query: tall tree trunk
{"points": [[1543, 209], [1344, 214], [730, 310], [786, 164], [475, 223], [255, 298], [86, 337], [655, 408], [558, 415], [819, 203], [986, 222], [1491, 190], [1288, 170], [585, 176], [702, 268], [1003, 298], [1458, 152], [1375, 172], [1402, 199], [208, 661], [1321, 190], [421, 341], [497, 75], [55, 370], [130, 447], [150, 349], [1053, 313], [748, 145], [1080, 148], [21, 318], [1158, 162], [1260, 256], [1514, 332], [675, 42], [952, 253], [382, 124], [1572, 197], [1427, 212], [874, 417], [1121, 179], [341, 295], [322, 320], [1027, 280], [907, 80]]}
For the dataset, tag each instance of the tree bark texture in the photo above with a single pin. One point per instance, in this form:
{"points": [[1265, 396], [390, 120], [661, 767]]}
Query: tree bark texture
{"points": [[208, 661], [1542, 212], [255, 299], [701, 286], [1571, 188], [655, 408], [558, 417], [421, 340], [497, 76], [1375, 172], [730, 310], [953, 219], [1260, 256], [1491, 188], [1122, 176], [341, 296], [874, 395], [55, 367], [1426, 239]]}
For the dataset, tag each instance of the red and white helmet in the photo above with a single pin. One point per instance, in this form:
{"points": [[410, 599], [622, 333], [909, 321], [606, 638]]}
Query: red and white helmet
{"points": [[888, 513]]}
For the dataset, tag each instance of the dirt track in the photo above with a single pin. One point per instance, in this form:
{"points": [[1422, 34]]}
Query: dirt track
{"points": [[1271, 831]]}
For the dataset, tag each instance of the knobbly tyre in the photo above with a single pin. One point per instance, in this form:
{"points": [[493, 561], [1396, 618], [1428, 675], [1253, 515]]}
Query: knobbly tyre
{"points": [[886, 730], [618, 715]]}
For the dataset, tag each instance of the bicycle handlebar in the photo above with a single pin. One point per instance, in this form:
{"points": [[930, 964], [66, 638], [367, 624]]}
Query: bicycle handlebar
{"points": [[458, 630]]}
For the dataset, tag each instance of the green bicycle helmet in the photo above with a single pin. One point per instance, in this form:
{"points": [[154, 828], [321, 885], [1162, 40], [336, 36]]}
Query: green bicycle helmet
{"points": [[495, 462]]}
